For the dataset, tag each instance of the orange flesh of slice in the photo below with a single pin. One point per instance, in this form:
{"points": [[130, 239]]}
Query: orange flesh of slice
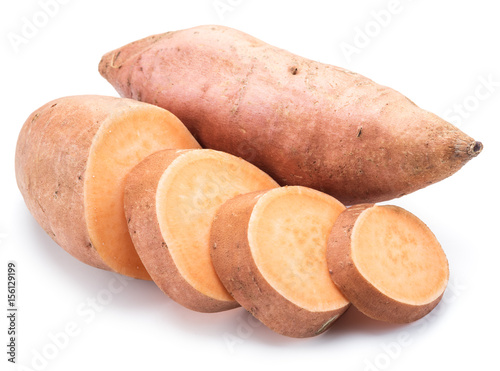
{"points": [[288, 233], [188, 196], [121, 143], [399, 255]]}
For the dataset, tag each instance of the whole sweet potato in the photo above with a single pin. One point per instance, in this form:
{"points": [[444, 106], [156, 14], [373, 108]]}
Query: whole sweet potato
{"points": [[303, 122]]}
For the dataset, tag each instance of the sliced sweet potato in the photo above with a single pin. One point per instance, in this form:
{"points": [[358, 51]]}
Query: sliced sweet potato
{"points": [[170, 200], [71, 161], [387, 262], [268, 249]]}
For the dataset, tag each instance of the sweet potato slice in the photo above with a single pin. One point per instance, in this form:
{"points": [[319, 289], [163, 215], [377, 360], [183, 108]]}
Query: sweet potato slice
{"points": [[268, 249], [387, 262], [71, 161], [170, 200]]}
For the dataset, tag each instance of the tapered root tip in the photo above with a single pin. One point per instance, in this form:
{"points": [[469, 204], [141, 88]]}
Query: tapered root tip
{"points": [[475, 148], [115, 59], [103, 65]]}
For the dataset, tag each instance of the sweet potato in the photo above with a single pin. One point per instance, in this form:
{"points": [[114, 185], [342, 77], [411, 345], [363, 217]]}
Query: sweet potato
{"points": [[72, 157], [303, 122], [170, 200], [387, 262], [268, 249]]}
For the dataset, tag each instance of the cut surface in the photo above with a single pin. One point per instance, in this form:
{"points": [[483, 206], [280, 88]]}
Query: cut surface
{"points": [[188, 196], [121, 143], [287, 234], [398, 254]]}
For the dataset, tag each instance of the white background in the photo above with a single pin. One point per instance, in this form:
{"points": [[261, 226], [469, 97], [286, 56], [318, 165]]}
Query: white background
{"points": [[437, 53]]}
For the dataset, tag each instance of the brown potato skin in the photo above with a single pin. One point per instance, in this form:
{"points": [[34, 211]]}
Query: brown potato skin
{"points": [[51, 157], [240, 275], [303, 122], [140, 211], [359, 291]]}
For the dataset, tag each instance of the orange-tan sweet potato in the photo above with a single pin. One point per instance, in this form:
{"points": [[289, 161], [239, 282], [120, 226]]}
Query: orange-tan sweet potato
{"points": [[170, 200], [268, 249], [387, 262], [303, 122], [72, 157]]}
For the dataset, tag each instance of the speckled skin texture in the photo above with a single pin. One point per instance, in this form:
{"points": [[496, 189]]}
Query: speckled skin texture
{"points": [[140, 210], [302, 122], [51, 156], [360, 292], [240, 275]]}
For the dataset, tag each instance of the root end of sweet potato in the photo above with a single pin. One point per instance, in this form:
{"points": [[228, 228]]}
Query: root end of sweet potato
{"points": [[475, 148]]}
